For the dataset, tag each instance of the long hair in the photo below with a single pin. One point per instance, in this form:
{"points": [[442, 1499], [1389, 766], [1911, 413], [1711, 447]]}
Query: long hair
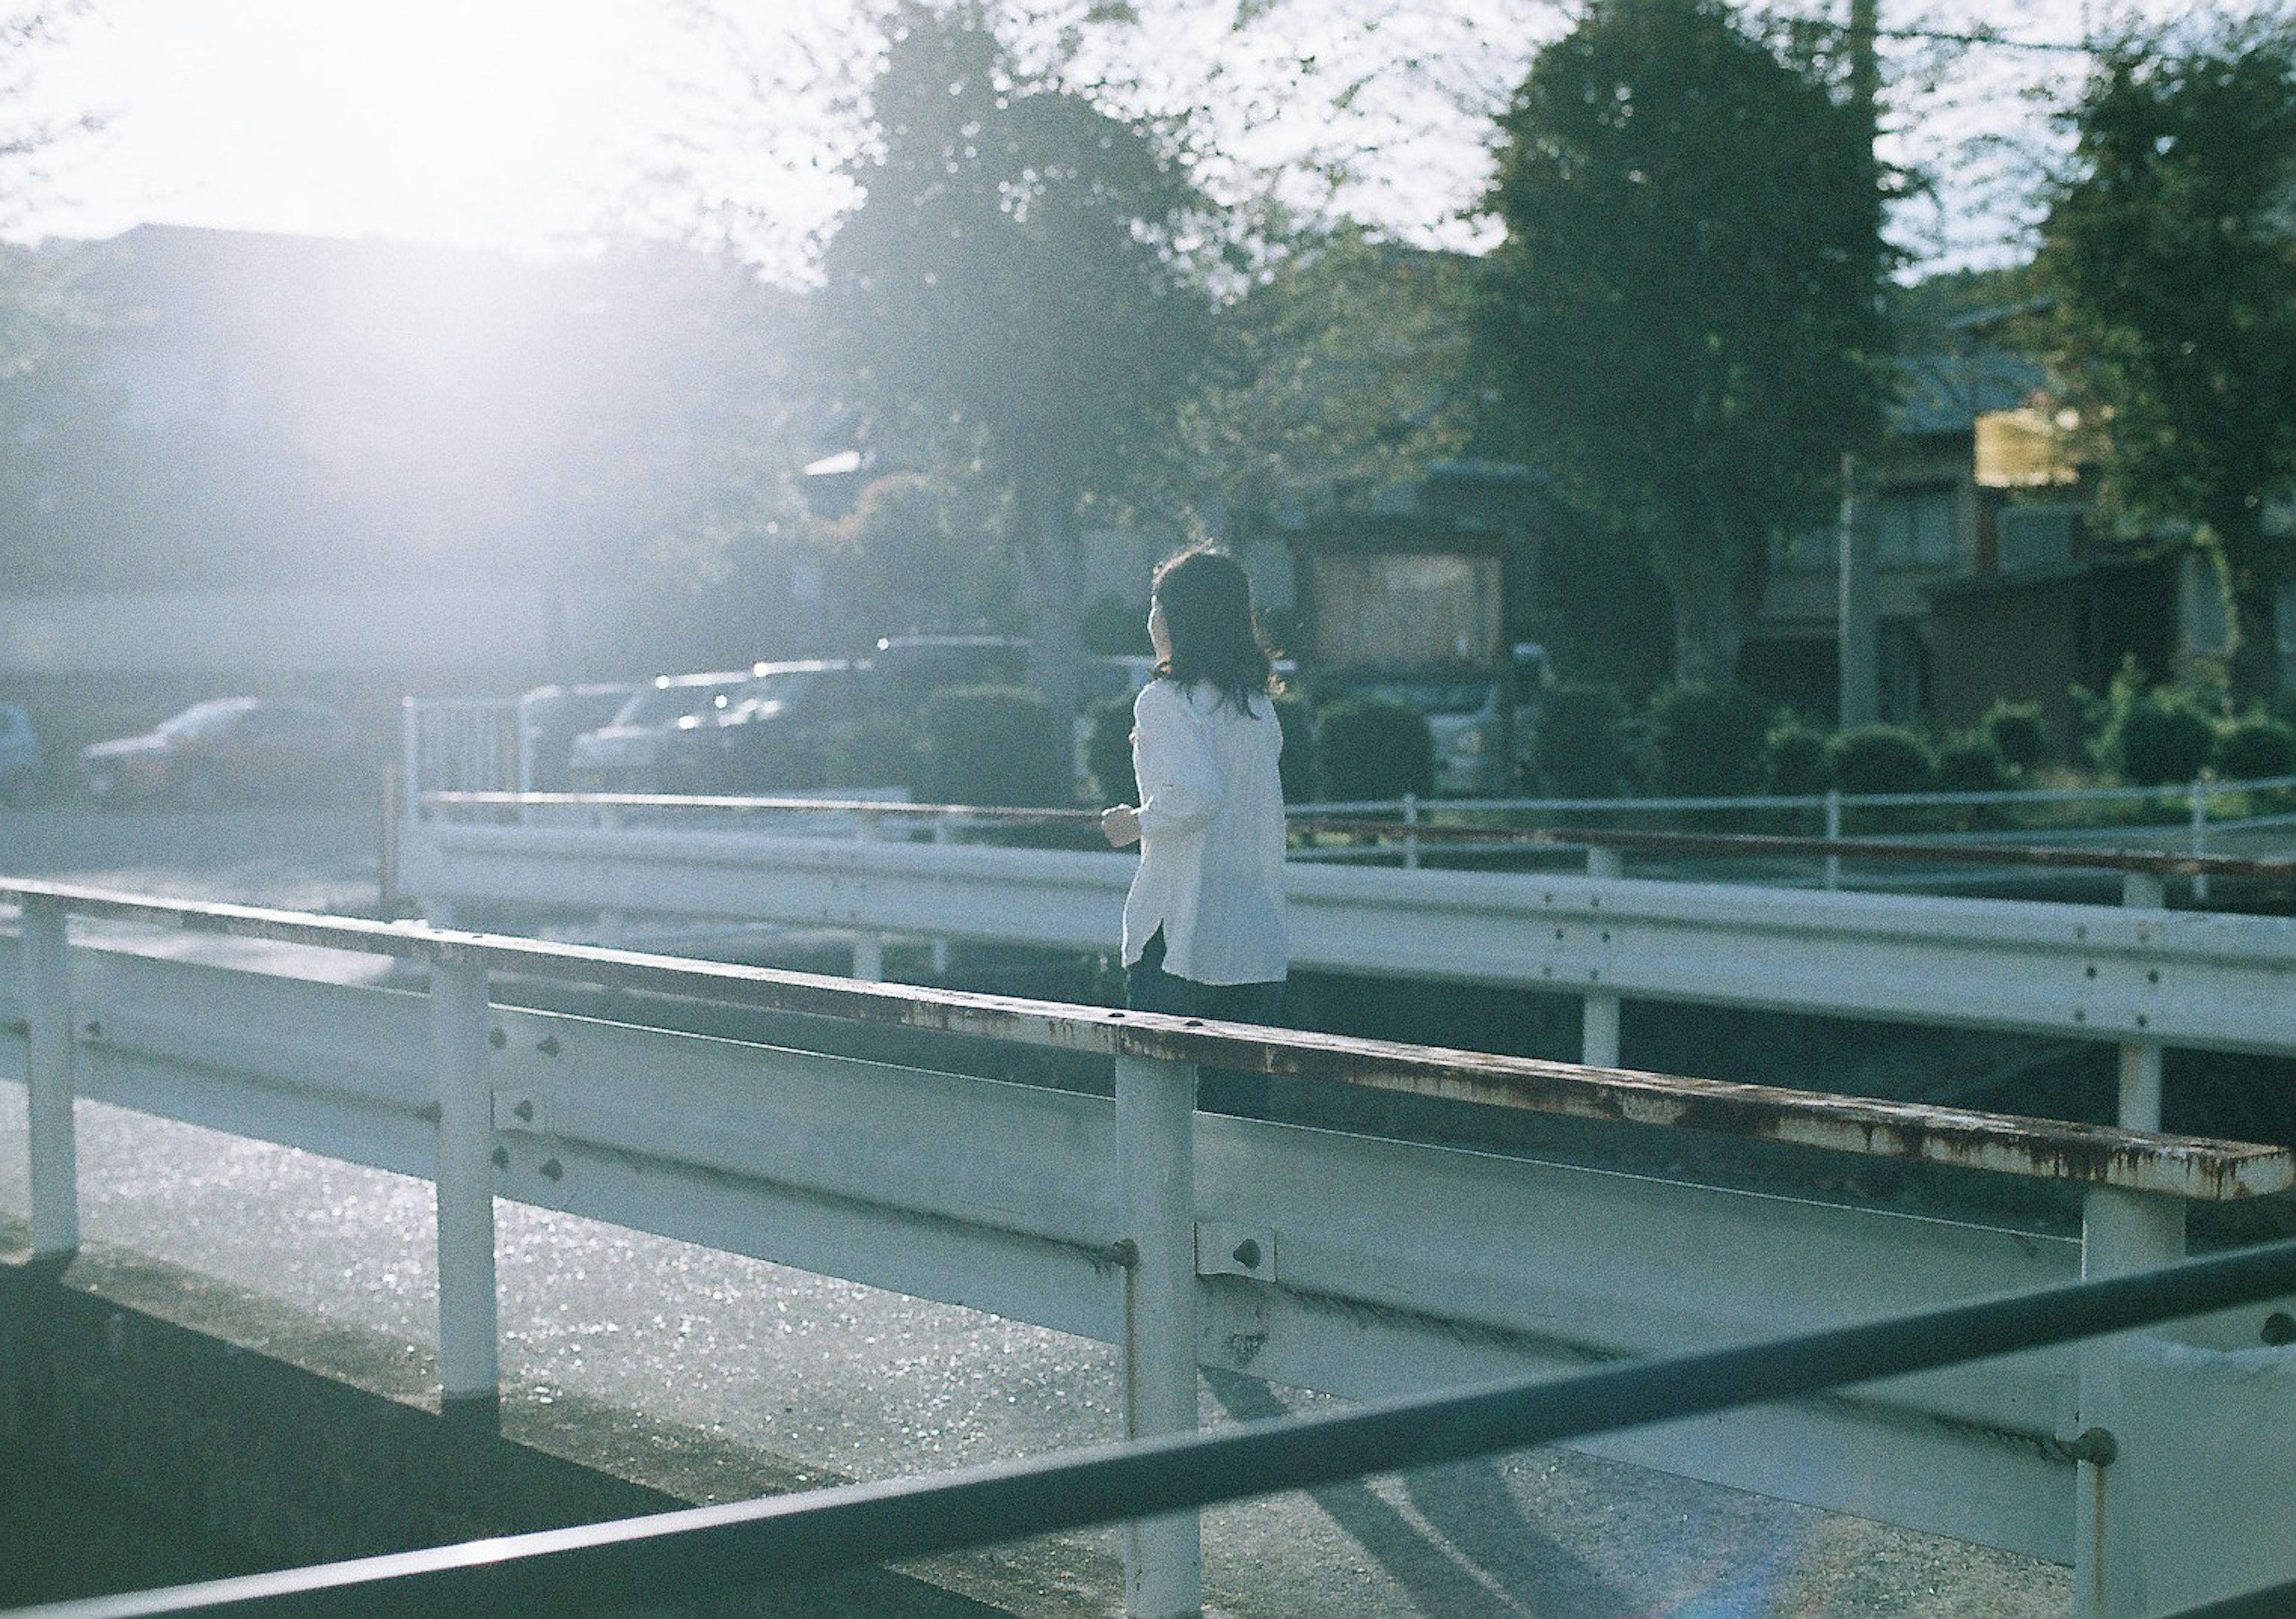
{"points": [[1206, 601]]}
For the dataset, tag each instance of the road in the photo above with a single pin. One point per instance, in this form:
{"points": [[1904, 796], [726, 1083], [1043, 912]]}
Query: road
{"points": [[842, 1382]]}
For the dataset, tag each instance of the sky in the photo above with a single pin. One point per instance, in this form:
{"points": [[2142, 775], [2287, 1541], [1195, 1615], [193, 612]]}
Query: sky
{"points": [[535, 126]]}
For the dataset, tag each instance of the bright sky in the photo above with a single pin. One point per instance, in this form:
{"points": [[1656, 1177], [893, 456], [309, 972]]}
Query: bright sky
{"points": [[531, 124]]}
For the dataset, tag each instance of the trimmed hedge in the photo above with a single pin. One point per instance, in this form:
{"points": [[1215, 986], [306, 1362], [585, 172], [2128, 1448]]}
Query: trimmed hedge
{"points": [[1973, 764], [1579, 750], [1795, 760], [2253, 749], [1883, 759], [1108, 749], [1707, 741], [2018, 733], [994, 745], [1298, 764], [1371, 747]]}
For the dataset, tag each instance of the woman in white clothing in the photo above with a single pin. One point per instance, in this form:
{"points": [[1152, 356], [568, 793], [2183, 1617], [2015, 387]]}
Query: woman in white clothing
{"points": [[1203, 923]]}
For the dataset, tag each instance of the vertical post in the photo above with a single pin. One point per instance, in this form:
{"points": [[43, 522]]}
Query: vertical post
{"points": [[2140, 1059], [2122, 1232], [2201, 788], [410, 746], [1155, 1148], [940, 944], [1833, 834], [48, 1079], [613, 925], [868, 948], [469, 1370], [1410, 834], [1599, 1026]]}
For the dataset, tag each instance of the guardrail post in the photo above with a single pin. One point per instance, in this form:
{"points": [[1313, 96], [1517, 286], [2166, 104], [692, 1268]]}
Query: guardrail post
{"points": [[2202, 788], [868, 948], [469, 1365], [1410, 832], [1599, 1021], [1155, 1149], [940, 836], [1833, 834], [54, 1147], [613, 926], [2140, 1059], [410, 744], [2122, 1232]]}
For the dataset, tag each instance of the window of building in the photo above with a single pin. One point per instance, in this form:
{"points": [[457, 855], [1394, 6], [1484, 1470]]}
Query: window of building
{"points": [[1916, 528]]}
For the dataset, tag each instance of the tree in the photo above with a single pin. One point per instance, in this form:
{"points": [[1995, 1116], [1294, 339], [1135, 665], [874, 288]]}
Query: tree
{"points": [[1012, 288], [1683, 321], [2170, 250]]}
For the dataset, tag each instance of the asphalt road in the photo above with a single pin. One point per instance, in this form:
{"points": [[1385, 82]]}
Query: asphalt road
{"points": [[846, 1382]]}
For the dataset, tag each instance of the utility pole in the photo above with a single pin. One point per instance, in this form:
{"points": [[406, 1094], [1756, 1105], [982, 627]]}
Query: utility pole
{"points": [[1860, 626]]}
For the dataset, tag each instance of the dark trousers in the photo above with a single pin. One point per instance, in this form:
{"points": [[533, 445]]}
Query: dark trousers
{"points": [[1149, 988]]}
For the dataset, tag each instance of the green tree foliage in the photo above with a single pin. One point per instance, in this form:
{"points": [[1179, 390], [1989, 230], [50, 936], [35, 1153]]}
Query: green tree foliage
{"points": [[1683, 321], [1580, 748], [1012, 291], [2018, 733], [2170, 252], [1345, 357]]}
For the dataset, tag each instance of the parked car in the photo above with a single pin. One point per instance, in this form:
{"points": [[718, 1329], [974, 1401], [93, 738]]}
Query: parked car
{"points": [[624, 755], [20, 756], [929, 663], [796, 727], [549, 719], [227, 749]]}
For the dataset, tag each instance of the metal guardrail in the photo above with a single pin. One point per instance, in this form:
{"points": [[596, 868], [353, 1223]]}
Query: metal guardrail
{"points": [[1110, 1243], [711, 1551], [2189, 1167], [1331, 820]]}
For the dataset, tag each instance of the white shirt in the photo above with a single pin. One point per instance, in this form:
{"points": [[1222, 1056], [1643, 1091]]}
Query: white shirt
{"points": [[1211, 835]]}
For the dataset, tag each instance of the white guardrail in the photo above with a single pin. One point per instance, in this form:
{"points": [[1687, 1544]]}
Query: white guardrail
{"points": [[2160, 1464], [2138, 975]]}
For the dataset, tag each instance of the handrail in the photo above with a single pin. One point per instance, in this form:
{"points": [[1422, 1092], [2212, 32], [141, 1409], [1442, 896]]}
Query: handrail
{"points": [[741, 1545], [1748, 844], [2182, 1166]]}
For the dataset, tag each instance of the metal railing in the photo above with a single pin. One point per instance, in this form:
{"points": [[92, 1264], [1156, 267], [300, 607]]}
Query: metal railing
{"points": [[483, 1113], [710, 1552]]}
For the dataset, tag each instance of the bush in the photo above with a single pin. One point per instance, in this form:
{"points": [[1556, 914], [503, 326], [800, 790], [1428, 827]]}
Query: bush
{"points": [[1795, 762], [2017, 732], [1707, 740], [1883, 759], [879, 751], [2161, 737], [1373, 747], [1108, 749], [1973, 764], [1579, 749], [994, 745], [1298, 762], [2253, 749]]}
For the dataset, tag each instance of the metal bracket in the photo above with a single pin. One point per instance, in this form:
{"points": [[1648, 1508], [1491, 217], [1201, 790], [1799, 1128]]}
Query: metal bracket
{"points": [[1235, 1250]]}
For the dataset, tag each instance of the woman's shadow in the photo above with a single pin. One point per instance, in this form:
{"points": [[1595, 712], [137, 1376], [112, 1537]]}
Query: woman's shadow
{"points": [[1478, 1558]]}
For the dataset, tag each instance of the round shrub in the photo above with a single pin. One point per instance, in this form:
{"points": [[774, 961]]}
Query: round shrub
{"points": [[1883, 759], [1580, 749], [1371, 747], [1707, 740], [2161, 737], [1795, 762], [1108, 749], [994, 745], [1973, 764], [1298, 764], [2256, 748], [2018, 733]]}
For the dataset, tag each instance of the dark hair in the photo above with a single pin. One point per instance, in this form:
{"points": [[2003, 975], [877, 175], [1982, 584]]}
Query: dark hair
{"points": [[1206, 601]]}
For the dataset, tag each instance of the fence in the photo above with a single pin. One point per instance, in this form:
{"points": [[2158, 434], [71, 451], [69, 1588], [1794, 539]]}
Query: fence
{"points": [[2139, 975], [1312, 1257]]}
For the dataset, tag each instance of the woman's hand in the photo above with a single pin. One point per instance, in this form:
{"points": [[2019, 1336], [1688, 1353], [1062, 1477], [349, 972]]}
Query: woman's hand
{"points": [[1121, 825]]}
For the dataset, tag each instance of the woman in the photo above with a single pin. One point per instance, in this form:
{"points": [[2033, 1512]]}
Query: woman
{"points": [[1203, 923]]}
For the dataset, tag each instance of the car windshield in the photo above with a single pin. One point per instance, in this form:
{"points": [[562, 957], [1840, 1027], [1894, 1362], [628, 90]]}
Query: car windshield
{"points": [[204, 719]]}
